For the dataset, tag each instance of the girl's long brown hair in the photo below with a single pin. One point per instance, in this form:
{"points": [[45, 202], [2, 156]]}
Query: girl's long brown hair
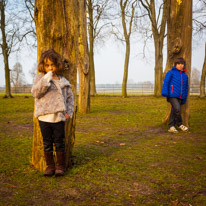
{"points": [[53, 56]]}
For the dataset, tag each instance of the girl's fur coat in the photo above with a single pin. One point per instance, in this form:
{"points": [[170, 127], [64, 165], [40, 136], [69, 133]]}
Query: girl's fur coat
{"points": [[50, 99]]}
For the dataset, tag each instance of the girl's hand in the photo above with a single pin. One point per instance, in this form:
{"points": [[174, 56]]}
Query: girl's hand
{"points": [[48, 76], [66, 116]]}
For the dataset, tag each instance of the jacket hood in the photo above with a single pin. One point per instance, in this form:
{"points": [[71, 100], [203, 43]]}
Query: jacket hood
{"points": [[174, 68]]}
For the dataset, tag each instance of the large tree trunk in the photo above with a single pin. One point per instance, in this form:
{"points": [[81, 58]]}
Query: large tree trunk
{"points": [[203, 75], [126, 66], [5, 50], [57, 28], [83, 64], [93, 91], [179, 40]]}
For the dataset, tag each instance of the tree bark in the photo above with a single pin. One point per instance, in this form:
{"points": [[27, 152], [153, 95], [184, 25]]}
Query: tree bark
{"points": [[126, 66], [179, 40], [158, 67], [5, 50], [57, 28], [203, 75], [83, 63], [93, 91], [124, 5]]}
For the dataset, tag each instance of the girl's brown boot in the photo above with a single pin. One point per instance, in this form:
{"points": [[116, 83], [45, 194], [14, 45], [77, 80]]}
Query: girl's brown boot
{"points": [[60, 166], [50, 170]]}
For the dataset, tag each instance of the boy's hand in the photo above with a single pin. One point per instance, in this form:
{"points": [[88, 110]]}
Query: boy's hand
{"points": [[66, 116]]}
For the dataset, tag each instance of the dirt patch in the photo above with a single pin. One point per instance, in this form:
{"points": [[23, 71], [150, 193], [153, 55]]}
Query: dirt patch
{"points": [[11, 128]]}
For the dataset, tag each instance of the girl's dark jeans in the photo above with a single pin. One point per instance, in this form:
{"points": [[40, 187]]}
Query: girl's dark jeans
{"points": [[175, 116], [53, 133]]}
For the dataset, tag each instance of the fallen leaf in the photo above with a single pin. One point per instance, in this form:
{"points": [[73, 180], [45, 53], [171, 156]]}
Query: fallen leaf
{"points": [[11, 186], [135, 184], [198, 157], [175, 203], [122, 144]]}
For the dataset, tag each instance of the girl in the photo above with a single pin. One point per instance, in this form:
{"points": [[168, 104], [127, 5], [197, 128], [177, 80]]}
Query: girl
{"points": [[175, 88], [53, 106]]}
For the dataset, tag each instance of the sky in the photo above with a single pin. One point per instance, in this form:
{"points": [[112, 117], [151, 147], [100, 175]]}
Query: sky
{"points": [[109, 63]]}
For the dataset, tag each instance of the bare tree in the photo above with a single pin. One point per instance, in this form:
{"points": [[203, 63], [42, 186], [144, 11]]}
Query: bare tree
{"points": [[14, 31], [29, 30], [195, 76], [199, 30], [203, 76], [97, 14], [126, 14], [199, 17], [33, 71], [158, 19], [17, 75], [195, 80], [83, 63], [7, 41]]}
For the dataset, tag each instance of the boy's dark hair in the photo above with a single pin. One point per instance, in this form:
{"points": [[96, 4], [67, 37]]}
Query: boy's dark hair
{"points": [[52, 55], [180, 61]]}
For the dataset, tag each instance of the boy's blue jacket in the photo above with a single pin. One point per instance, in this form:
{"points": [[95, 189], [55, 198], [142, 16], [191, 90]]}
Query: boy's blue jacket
{"points": [[175, 84]]}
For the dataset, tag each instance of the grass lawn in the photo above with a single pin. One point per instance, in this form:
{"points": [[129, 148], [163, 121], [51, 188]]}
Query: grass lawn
{"points": [[123, 155]]}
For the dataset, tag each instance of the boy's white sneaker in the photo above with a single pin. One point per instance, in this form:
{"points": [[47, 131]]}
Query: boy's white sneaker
{"points": [[172, 130], [183, 128]]}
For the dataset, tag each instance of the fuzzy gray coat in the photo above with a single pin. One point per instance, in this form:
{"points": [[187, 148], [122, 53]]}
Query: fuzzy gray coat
{"points": [[50, 99]]}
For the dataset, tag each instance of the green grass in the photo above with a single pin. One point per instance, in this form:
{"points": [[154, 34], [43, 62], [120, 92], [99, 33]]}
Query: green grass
{"points": [[123, 155]]}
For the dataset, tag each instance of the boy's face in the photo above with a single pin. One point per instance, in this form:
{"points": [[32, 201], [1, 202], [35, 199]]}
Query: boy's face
{"points": [[49, 65], [180, 66]]}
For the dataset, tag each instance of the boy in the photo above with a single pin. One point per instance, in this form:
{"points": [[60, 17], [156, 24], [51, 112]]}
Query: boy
{"points": [[175, 88]]}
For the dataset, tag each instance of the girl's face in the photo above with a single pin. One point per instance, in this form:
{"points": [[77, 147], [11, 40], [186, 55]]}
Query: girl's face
{"points": [[180, 66], [49, 66]]}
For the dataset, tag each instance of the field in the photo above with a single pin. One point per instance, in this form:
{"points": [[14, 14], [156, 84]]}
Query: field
{"points": [[123, 155]]}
